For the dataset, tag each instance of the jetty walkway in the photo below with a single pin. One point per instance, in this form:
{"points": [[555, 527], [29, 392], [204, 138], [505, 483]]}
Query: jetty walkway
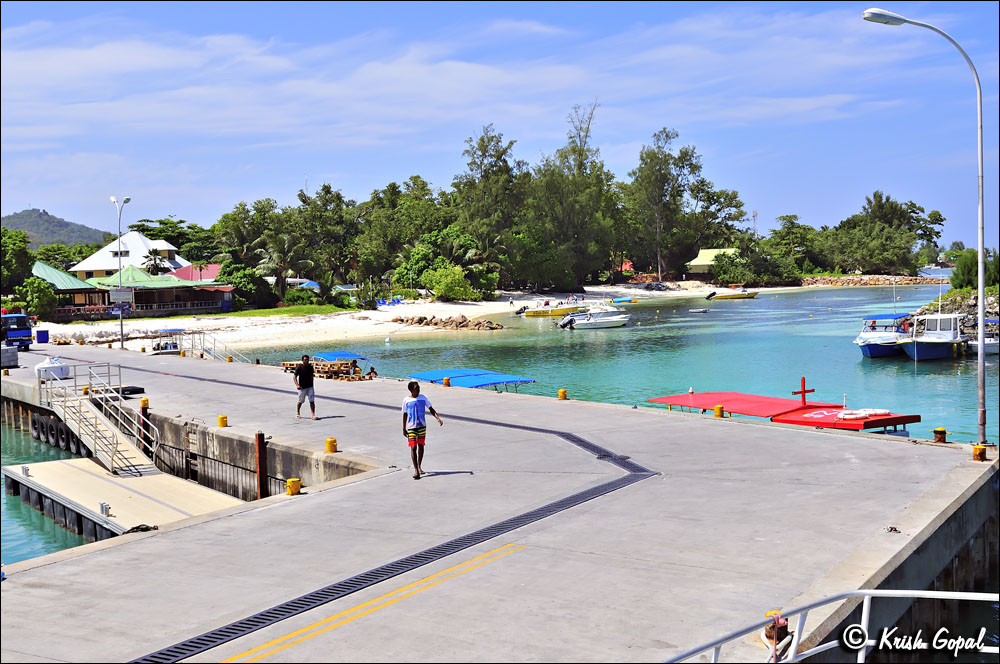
{"points": [[545, 530]]}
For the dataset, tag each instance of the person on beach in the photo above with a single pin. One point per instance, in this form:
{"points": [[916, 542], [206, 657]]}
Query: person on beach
{"points": [[303, 378], [415, 425]]}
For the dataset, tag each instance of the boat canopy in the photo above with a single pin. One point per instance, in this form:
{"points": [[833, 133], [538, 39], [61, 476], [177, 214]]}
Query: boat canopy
{"points": [[335, 355], [471, 377], [885, 317]]}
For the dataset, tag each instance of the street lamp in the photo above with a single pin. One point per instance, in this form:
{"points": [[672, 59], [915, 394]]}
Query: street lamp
{"points": [[885, 17], [121, 319]]}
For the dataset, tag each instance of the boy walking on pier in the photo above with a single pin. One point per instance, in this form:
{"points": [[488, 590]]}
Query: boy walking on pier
{"points": [[415, 425], [303, 378]]}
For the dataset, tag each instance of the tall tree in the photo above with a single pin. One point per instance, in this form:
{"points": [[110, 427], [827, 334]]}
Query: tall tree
{"points": [[283, 255], [17, 259]]}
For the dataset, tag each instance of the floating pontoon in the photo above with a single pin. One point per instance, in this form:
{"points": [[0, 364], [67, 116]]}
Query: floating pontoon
{"points": [[472, 378]]}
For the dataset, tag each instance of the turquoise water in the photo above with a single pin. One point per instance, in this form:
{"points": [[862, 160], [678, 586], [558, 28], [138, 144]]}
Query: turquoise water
{"points": [[25, 532], [761, 346]]}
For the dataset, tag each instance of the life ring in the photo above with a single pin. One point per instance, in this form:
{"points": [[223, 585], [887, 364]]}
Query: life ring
{"points": [[35, 426], [63, 432]]}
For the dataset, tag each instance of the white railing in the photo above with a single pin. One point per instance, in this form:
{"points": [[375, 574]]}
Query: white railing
{"points": [[199, 342], [861, 643], [126, 419]]}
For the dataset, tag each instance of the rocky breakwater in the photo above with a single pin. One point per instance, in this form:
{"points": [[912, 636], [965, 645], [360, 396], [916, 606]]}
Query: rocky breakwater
{"points": [[450, 323], [870, 280], [966, 302]]}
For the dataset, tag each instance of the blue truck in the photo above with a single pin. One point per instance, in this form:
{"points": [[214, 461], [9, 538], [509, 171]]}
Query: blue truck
{"points": [[17, 331]]}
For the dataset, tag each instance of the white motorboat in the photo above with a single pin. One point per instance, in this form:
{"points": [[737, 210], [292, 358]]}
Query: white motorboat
{"points": [[991, 342], [598, 316]]}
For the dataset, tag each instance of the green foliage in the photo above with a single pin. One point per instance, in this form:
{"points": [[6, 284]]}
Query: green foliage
{"points": [[62, 256], [38, 296], [295, 296], [449, 283], [44, 227], [754, 266], [966, 271], [250, 286], [406, 293], [928, 253], [17, 259]]}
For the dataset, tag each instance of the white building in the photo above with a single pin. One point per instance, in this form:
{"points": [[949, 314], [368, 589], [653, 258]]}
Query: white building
{"points": [[135, 248]]}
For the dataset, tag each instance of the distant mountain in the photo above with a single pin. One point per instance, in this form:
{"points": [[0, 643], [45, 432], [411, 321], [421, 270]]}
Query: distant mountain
{"points": [[44, 228]]}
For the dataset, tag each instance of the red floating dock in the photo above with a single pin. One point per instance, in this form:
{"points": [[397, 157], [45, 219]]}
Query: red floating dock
{"points": [[788, 411]]}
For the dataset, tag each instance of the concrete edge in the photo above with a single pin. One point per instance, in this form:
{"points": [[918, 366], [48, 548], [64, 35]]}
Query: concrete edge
{"points": [[95, 547]]}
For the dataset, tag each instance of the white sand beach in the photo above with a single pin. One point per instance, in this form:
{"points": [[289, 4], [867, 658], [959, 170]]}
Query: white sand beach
{"points": [[254, 332]]}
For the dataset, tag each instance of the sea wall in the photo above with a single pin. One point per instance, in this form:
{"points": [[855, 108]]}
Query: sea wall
{"points": [[870, 280]]}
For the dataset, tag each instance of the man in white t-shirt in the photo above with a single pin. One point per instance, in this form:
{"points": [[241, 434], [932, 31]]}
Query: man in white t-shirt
{"points": [[415, 424]]}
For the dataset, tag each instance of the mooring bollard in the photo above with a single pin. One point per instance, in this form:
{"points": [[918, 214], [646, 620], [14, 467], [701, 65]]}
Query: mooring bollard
{"points": [[142, 349], [331, 445], [940, 435], [979, 453], [86, 390], [719, 411], [183, 353], [229, 358], [561, 394], [293, 485], [446, 381], [223, 421], [109, 345], [261, 444]]}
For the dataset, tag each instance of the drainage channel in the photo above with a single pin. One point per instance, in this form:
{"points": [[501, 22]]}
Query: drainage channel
{"points": [[335, 591]]}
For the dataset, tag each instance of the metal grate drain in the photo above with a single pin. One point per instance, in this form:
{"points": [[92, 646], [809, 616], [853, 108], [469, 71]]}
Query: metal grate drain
{"points": [[309, 601]]}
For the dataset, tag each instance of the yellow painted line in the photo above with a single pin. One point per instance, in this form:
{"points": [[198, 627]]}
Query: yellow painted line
{"points": [[372, 605]]}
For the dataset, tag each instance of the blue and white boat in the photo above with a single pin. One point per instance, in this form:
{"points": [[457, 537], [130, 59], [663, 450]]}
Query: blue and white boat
{"points": [[991, 341], [936, 337], [881, 335]]}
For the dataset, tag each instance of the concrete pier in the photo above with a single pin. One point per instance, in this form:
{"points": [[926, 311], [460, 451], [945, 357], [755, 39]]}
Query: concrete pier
{"points": [[702, 525]]}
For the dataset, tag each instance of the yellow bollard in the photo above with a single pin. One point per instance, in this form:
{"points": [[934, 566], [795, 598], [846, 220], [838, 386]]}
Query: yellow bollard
{"points": [[223, 421], [331, 445], [446, 381], [86, 390], [670, 406], [940, 435], [719, 411], [144, 402], [562, 394], [229, 358], [293, 485], [109, 345], [183, 353], [142, 350], [79, 342], [979, 453], [6, 372]]}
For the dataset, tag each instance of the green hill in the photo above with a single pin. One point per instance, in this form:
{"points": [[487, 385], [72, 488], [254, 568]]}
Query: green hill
{"points": [[43, 228]]}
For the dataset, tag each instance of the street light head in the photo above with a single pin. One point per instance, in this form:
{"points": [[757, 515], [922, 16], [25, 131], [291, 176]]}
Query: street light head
{"points": [[876, 15], [114, 200], [126, 200]]}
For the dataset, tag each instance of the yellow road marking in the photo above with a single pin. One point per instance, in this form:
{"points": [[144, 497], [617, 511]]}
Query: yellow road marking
{"points": [[339, 619]]}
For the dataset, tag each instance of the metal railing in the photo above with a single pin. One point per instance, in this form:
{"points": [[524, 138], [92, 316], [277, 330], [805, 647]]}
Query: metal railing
{"points": [[199, 342], [71, 398], [862, 643], [123, 415]]}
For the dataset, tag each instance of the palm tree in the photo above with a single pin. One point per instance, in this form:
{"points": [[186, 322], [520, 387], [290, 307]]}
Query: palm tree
{"points": [[282, 256], [154, 262], [199, 265]]}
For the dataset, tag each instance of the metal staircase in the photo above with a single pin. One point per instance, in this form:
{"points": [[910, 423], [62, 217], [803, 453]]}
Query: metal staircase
{"points": [[90, 402], [198, 343]]}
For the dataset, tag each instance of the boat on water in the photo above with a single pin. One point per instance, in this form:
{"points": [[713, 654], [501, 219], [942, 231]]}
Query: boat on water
{"points": [[596, 317], [550, 308], [625, 300], [991, 342], [881, 335], [735, 292], [935, 337]]}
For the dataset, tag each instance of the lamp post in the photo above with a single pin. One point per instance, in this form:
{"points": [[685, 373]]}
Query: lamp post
{"points": [[121, 319], [876, 15]]}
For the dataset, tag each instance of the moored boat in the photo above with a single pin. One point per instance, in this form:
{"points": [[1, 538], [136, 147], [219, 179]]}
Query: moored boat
{"points": [[881, 335], [935, 337], [549, 308], [991, 342], [598, 316], [736, 292]]}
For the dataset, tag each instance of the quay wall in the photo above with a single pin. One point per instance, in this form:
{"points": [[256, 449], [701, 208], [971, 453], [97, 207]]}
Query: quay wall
{"points": [[871, 280], [957, 551]]}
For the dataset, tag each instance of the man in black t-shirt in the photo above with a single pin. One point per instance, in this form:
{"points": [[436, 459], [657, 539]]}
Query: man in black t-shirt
{"points": [[304, 384]]}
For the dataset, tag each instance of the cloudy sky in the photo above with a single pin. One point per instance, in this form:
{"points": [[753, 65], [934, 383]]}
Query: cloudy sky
{"points": [[189, 108]]}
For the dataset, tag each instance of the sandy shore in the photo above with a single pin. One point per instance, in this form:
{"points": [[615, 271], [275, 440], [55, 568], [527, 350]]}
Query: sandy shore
{"points": [[255, 332]]}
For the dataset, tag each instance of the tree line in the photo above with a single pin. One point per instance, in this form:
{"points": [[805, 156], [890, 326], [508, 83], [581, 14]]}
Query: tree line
{"points": [[561, 223]]}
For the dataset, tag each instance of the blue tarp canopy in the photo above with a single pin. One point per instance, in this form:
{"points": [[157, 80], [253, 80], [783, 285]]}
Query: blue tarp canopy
{"points": [[335, 355], [471, 377], [310, 284], [995, 321], [172, 330], [885, 317]]}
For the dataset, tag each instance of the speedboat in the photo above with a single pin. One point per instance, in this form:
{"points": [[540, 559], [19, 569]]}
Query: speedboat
{"points": [[598, 316], [991, 342], [735, 293], [935, 337], [881, 334]]}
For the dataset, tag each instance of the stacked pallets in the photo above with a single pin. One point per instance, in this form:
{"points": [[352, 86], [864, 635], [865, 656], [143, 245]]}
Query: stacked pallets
{"points": [[338, 370]]}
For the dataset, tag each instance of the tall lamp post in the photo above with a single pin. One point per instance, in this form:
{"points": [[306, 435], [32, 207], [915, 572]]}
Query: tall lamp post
{"points": [[876, 15], [121, 319]]}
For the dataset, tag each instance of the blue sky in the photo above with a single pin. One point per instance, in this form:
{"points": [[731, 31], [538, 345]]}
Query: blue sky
{"points": [[189, 108]]}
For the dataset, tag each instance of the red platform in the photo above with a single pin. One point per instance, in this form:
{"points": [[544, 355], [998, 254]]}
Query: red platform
{"points": [[785, 411]]}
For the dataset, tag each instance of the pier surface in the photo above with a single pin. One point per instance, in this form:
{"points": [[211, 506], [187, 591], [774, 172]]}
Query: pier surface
{"points": [[708, 524]]}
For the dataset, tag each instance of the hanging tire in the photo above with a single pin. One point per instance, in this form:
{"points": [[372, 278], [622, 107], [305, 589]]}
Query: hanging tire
{"points": [[74, 446], [53, 430], [43, 430], [35, 426], [63, 435], [84, 450]]}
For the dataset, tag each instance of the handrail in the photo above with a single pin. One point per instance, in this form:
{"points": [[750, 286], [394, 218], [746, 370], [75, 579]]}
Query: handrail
{"points": [[803, 611], [195, 341], [126, 418]]}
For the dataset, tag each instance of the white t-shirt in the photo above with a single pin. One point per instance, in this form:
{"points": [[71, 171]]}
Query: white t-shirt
{"points": [[414, 408]]}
